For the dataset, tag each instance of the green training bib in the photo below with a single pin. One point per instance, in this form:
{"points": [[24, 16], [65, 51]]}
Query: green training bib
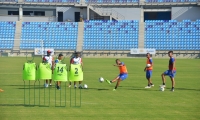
{"points": [[60, 72], [76, 72], [29, 71], [44, 71]]}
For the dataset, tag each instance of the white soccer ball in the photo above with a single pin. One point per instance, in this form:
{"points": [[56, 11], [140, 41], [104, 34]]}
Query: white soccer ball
{"points": [[162, 89], [148, 65], [101, 79], [85, 86]]}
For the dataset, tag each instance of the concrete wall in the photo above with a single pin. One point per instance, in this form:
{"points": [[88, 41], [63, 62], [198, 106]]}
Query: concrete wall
{"points": [[4, 11], [48, 12], [68, 12], [129, 13], [9, 18], [188, 13], [38, 19]]}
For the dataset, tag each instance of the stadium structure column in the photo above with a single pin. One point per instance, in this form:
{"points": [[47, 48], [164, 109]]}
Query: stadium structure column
{"points": [[88, 12], [20, 12], [142, 14]]}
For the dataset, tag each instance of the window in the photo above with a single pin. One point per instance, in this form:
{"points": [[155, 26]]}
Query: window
{"points": [[13, 12]]}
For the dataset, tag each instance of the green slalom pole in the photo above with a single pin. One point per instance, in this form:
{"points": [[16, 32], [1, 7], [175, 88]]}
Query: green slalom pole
{"points": [[80, 97], [70, 97], [29, 93], [65, 94], [44, 94], [34, 93], [39, 92], [60, 95], [24, 94], [49, 96], [55, 96], [75, 97]]}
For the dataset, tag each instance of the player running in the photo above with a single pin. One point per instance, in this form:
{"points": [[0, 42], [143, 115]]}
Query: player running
{"points": [[171, 72], [149, 70], [48, 59], [122, 76], [76, 60], [60, 57]]}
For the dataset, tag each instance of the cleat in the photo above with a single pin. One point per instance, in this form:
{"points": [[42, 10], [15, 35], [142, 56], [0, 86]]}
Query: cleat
{"points": [[46, 85], [172, 89], [114, 89], [108, 81], [50, 84], [69, 86], [75, 86], [58, 88], [152, 85], [80, 87]]}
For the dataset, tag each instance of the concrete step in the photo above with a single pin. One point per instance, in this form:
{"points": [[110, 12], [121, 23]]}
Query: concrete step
{"points": [[80, 37], [18, 31]]}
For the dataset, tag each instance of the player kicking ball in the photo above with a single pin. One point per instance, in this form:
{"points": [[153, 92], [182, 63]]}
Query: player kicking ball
{"points": [[171, 72], [122, 76]]}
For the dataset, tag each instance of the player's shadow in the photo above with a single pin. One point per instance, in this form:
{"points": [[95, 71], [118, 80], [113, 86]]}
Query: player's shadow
{"points": [[187, 89], [99, 89], [140, 89], [11, 104]]}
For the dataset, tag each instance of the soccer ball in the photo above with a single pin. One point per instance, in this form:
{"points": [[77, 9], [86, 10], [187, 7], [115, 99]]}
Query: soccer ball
{"points": [[85, 86], [162, 89], [101, 79], [148, 65]]}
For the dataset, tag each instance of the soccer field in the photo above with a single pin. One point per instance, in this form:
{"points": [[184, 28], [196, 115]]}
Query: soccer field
{"points": [[131, 101]]}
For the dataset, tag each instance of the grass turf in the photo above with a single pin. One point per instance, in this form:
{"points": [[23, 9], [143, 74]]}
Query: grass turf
{"points": [[130, 101]]}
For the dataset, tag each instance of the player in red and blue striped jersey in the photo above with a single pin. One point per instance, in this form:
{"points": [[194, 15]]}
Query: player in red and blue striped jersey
{"points": [[171, 72]]}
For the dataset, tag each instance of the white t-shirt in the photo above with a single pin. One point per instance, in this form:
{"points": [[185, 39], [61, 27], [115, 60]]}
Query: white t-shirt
{"points": [[48, 59], [76, 60]]}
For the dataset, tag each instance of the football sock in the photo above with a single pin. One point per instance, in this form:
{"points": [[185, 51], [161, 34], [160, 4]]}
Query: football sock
{"points": [[115, 87], [172, 87], [110, 81], [163, 83]]}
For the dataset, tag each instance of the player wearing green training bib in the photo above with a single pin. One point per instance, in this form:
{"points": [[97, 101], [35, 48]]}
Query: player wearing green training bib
{"points": [[48, 59], [77, 60], [60, 57]]}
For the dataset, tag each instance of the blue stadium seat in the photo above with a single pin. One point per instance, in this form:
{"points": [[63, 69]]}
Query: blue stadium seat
{"points": [[53, 34], [180, 34], [7, 34], [108, 34]]}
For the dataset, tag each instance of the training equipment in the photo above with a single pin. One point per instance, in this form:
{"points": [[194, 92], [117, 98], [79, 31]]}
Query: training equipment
{"points": [[29, 71], [162, 89], [101, 79], [148, 65], [76, 72], [85, 86], [60, 72], [44, 71]]}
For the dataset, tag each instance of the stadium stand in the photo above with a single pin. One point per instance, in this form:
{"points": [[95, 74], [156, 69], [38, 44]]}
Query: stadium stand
{"points": [[57, 35], [54, 1], [111, 1], [7, 34], [172, 35], [8, 0], [169, 1], [110, 35]]}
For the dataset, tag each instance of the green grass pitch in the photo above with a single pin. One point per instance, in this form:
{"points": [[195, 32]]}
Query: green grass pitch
{"points": [[131, 101]]}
